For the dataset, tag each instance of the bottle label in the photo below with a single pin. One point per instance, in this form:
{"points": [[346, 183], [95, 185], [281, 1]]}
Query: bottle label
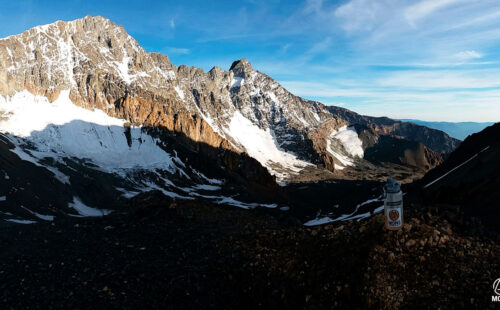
{"points": [[394, 214]]}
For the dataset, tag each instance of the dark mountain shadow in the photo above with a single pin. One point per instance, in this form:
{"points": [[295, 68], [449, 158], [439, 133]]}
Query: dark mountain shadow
{"points": [[47, 184], [403, 152], [469, 180]]}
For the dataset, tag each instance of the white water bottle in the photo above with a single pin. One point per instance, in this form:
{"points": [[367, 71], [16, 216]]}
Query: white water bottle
{"points": [[393, 205]]}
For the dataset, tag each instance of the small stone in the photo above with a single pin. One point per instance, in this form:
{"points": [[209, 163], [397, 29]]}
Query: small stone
{"points": [[423, 242], [410, 243]]}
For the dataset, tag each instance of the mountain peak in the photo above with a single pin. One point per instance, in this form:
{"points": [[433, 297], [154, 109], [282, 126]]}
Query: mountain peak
{"points": [[96, 22], [88, 23], [241, 66]]}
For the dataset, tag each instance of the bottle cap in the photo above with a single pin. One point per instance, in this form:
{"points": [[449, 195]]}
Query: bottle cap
{"points": [[392, 186]]}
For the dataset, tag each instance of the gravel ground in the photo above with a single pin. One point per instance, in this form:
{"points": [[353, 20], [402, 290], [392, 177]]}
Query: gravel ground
{"points": [[188, 255]]}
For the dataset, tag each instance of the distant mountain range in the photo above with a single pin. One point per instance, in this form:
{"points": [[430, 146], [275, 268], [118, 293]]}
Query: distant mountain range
{"points": [[459, 130]]}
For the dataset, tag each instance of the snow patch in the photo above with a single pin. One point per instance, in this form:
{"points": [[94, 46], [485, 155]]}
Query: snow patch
{"points": [[346, 161], [127, 194], [44, 217], [40, 216], [86, 211], [233, 202], [244, 205], [152, 186], [347, 217], [350, 140], [209, 180], [237, 81], [123, 69], [20, 221], [180, 92], [261, 145], [29, 157], [62, 129], [207, 187]]}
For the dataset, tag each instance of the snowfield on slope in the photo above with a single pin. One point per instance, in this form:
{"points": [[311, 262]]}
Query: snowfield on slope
{"points": [[349, 139], [61, 129], [261, 145], [40, 129]]}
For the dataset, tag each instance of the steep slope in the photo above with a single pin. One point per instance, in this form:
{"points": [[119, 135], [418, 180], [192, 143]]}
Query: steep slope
{"points": [[319, 134], [469, 178], [60, 159]]}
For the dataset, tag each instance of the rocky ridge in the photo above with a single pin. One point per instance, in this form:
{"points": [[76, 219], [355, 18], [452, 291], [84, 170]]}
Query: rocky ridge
{"points": [[104, 68]]}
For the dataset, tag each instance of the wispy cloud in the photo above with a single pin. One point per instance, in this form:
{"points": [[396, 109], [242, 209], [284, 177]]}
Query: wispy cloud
{"points": [[441, 79], [284, 48], [425, 8], [230, 37], [316, 49], [364, 15], [467, 55], [177, 50]]}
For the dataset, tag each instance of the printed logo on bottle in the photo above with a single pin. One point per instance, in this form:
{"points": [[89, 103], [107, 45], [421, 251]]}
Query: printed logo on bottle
{"points": [[394, 215]]}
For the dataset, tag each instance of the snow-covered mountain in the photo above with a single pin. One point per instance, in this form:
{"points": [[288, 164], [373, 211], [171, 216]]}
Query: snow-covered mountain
{"points": [[84, 93]]}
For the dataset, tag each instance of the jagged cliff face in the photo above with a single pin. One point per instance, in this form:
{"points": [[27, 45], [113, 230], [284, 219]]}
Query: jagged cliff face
{"points": [[240, 110]]}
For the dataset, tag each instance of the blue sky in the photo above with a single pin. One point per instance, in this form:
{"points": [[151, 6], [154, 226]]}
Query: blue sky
{"points": [[430, 59]]}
